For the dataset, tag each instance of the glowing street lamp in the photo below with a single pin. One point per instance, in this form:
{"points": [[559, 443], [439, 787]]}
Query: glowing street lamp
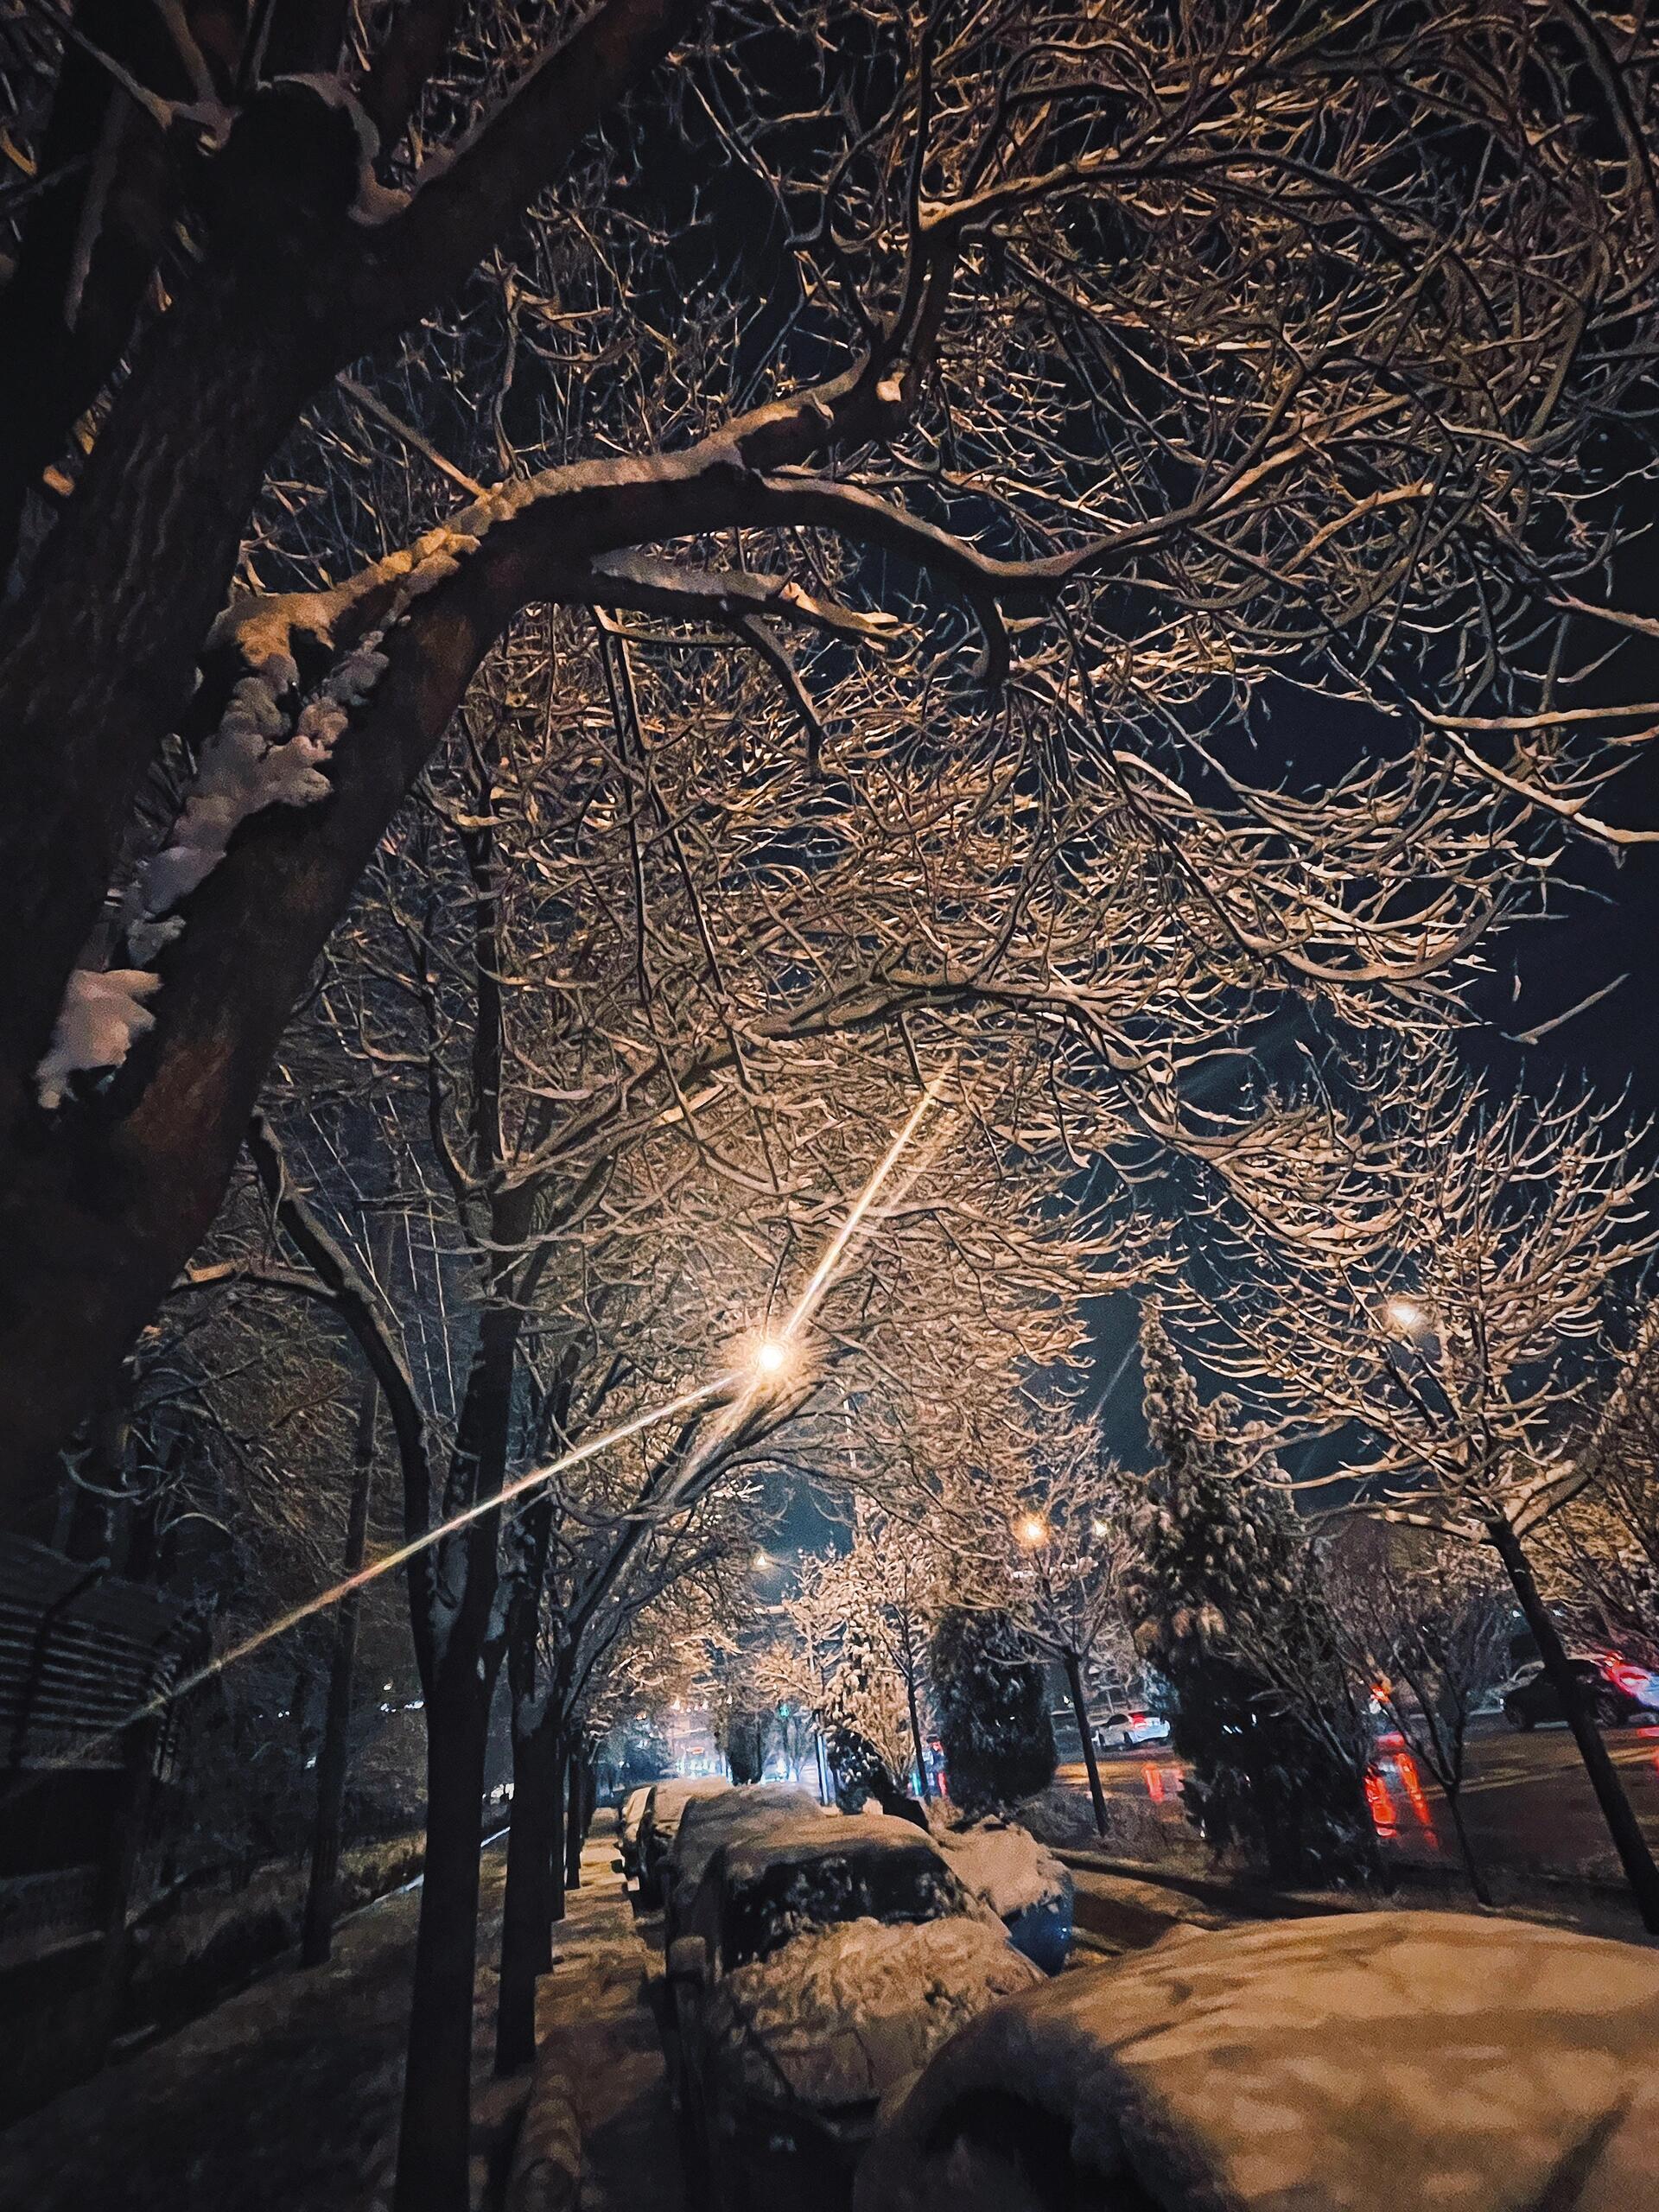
{"points": [[1031, 1529], [1406, 1315], [770, 1357]]}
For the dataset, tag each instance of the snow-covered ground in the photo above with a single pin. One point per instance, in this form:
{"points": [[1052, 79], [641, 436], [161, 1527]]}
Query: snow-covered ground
{"points": [[284, 2096]]}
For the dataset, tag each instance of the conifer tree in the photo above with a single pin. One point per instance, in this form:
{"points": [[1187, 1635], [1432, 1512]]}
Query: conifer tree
{"points": [[1223, 1570], [992, 1694], [862, 1725]]}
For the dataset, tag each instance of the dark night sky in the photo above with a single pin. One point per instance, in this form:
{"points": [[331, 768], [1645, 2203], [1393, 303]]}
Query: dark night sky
{"points": [[1603, 924], [1600, 927], [1602, 921]]}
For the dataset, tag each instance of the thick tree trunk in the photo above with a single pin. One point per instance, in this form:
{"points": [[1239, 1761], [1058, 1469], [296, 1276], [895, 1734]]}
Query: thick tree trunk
{"points": [[152, 532], [101, 1209], [527, 1939], [434, 2144], [97, 657], [62, 338], [453, 1604], [317, 1938], [1628, 1842], [1086, 1729]]}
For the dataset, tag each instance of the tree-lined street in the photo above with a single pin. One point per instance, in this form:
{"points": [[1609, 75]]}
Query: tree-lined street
{"points": [[826, 872]]}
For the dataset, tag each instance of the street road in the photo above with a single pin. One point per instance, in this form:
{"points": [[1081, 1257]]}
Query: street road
{"points": [[1527, 1802]]}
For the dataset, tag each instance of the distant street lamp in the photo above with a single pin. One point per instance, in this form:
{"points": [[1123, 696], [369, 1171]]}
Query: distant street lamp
{"points": [[1031, 1529]]}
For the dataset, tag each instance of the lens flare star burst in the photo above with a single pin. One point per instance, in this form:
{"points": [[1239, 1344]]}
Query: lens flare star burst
{"points": [[770, 1362]]}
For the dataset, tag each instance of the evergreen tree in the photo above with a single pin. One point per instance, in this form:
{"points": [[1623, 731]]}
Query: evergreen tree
{"points": [[639, 1751], [746, 1734], [1224, 1570], [992, 1694], [855, 1714]]}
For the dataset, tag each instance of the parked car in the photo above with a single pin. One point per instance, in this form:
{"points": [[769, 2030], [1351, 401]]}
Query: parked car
{"points": [[750, 1813], [633, 1811], [1121, 1730], [1021, 1880], [1617, 1691], [659, 1824], [1357, 2062], [822, 1964]]}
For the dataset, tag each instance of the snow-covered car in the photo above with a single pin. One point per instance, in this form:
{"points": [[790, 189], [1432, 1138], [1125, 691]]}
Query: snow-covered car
{"points": [[749, 1814], [659, 1824], [1119, 1732], [1021, 1880], [633, 1811], [1362, 2062], [1617, 1691], [821, 1966]]}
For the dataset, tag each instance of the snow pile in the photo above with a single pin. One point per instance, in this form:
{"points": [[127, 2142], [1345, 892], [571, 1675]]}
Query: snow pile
{"points": [[103, 1012], [255, 758], [1004, 1865], [839, 2018], [250, 763]]}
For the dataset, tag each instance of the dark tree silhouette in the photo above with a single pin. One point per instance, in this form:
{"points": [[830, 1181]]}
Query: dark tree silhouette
{"points": [[992, 1692], [1221, 1565]]}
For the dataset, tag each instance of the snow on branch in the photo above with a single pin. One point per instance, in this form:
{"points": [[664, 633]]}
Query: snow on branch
{"points": [[103, 1012], [262, 754]]}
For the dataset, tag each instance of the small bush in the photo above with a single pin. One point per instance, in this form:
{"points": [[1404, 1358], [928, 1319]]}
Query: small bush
{"points": [[1064, 1820]]}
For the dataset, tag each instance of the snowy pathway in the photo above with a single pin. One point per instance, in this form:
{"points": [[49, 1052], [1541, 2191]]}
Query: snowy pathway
{"points": [[600, 2074]]}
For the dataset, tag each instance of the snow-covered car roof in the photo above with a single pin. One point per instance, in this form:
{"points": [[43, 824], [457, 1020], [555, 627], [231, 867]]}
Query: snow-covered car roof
{"points": [[669, 1799], [795, 1842], [1357, 2064], [765, 1892], [839, 2017], [633, 1808], [744, 1801], [677, 1794], [756, 1810]]}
